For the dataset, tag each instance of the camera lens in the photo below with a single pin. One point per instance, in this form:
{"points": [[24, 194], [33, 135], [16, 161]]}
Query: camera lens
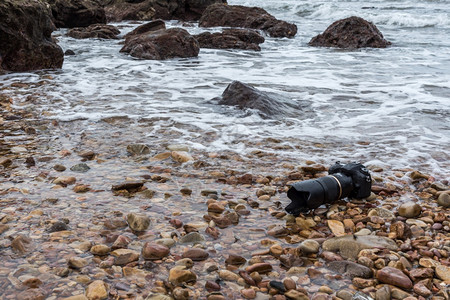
{"points": [[313, 193]]}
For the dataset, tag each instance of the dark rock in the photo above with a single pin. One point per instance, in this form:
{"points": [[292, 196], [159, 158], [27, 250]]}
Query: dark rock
{"points": [[162, 44], [268, 105], [58, 226], [212, 286], [100, 31], [69, 52], [231, 39], [350, 269], [131, 186], [350, 33], [245, 17], [147, 27], [259, 267], [77, 13], [278, 285], [80, 168], [25, 34], [145, 10]]}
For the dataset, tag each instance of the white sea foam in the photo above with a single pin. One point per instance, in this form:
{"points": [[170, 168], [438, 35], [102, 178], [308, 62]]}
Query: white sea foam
{"points": [[395, 99]]}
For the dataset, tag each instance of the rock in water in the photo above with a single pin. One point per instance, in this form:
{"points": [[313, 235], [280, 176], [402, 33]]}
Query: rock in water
{"points": [[268, 105], [231, 39], [138, 222], [350, 33], [77, 13], [147, 27], [395, 277], [409, 210], [26, 42], [349, 246], [162, 44], [247, 17], [100, 31], [97, 290]]}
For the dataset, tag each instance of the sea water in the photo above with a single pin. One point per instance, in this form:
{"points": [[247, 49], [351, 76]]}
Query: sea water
{"points": [[385, 107]]}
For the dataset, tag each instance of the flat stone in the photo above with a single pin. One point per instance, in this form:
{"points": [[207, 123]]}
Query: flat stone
{"points": [[296, 295], [80, 168], [154, 251], [381, 212], [260, 268], [124, 256], [350, 269], [100, 249], [309, 246], [97, 290], [394, 277], [181, 156], [65, 180], [179, 275], [138, 222], [336, 227], [138, 149], [191, 238], [228, 275], [234, 259], [443, 273], [196, 254], [77, 262], [349, 246], [383, 293]]}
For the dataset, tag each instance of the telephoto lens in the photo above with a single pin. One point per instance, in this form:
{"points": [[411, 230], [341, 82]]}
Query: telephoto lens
{"points": [[351, 180]]}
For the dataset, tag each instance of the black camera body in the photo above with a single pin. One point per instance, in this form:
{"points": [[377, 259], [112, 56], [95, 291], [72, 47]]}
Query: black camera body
{"points": [[351, 180]]}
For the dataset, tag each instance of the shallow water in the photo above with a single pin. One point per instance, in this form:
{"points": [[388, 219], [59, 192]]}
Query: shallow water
{"points": [[387, 107]]}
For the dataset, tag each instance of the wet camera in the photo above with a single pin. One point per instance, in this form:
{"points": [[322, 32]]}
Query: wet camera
{"points": [[351, 180]]}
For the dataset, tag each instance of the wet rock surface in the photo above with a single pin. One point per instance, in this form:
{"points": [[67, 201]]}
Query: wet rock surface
{"points": [[246, 17], [77, 13], [244, 96], [25, 28], [145, 10], [231, 39], [350, 33], [100, 31], [162, 44]]}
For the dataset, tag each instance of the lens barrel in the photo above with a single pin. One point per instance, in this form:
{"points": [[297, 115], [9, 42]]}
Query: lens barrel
{"points": [[310, 194]]}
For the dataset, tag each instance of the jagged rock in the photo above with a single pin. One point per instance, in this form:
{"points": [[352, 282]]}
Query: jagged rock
{"points": [[77, 13], [268, 105], [350, 33], [147, 27], [350, 269], [162, 44], [100, 31], [231, 39], [246, 17], [26, 42], [187, 10]]}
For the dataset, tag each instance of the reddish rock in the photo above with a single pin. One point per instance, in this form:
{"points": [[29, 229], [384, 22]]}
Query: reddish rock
{"points": [[121, 242], [260, 268], [196, 254], [234, 259], [162, 44], [26, 42], [212, 286], [232, 39], [350, 33], [154, 251], [395, 277], [100, 31], [246, 17]]}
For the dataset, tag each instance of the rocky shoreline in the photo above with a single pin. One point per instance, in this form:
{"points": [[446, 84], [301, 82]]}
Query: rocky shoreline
{"points": [[88, 216]]}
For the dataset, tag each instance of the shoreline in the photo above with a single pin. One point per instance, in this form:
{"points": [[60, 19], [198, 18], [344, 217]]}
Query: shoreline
{"points": [[235, 204]]}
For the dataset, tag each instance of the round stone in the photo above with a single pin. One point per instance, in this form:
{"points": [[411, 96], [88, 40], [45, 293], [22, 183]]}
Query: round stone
{"points": [[409, 209], [444, 200], [309, 246]]}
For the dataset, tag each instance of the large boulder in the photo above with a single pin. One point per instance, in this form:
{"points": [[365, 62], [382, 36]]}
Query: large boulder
{"points": [[100, 31], [186, 10], [350, 33], [77, 13], [25, 35], [162, 44], [267, 105], [231, 39], [246, 17]]}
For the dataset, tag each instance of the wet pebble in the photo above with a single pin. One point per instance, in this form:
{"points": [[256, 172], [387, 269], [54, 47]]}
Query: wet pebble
{"points": [[192, 237], [394, 277], [179, 275], [138, 222], [153, 251], [409, 209], [309, 246], [444, 200], [196, 254], [97, 290]]}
